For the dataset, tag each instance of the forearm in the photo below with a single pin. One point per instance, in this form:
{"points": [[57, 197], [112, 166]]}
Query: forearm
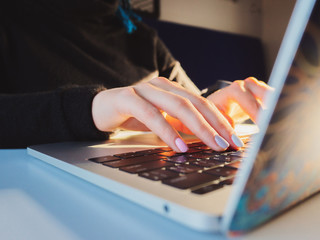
{"points": [[61, 115]]}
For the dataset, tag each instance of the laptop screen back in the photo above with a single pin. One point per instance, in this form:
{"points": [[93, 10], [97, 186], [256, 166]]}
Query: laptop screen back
{"points": [[287, 167]]}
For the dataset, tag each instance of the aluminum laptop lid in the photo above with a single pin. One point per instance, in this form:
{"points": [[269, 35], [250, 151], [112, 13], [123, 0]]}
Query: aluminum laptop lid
{"points": [[283, 166]]}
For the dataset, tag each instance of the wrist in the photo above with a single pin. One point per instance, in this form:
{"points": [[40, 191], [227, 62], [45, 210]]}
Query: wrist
{"points": [[97, 110]]}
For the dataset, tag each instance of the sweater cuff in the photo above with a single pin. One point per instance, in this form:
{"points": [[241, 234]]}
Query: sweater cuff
{"points": [[215, 87], [77, 108]]}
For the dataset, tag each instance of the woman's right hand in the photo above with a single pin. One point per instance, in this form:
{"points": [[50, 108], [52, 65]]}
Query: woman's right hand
{"points": [[140, 107]]}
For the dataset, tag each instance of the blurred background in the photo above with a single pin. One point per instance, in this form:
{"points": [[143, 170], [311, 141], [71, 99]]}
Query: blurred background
{"points": [[220, 39]]}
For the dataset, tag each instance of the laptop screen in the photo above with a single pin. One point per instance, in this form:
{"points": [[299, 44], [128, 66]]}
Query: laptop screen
{"points": [[287, 167]]}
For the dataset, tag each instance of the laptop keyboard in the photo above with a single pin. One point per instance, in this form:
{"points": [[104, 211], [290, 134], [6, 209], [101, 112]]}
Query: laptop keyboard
{"points": [[200, 169]]}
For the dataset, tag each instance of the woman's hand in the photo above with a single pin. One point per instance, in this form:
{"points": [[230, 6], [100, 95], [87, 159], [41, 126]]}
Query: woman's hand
{"points": [[241, 100], [140, 107]]}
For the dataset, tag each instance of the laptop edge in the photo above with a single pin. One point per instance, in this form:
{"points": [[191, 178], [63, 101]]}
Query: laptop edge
{"points": [[218, 219], [289, 46]]}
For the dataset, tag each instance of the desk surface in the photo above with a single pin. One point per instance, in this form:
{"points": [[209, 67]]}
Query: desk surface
{"points": [[38, 201]]}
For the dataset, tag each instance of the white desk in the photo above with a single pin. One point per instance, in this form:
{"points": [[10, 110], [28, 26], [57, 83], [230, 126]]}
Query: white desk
{"points": [[38, 201]]}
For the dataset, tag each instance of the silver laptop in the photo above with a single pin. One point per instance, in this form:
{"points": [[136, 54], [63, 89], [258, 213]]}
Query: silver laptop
{"points": [[233, 191]]}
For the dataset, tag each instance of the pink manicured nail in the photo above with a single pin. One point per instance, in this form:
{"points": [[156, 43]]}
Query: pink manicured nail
{"points": [[181, 145]]}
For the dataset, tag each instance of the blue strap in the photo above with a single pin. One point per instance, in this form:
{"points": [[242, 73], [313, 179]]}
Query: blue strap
{"points": [[124, 12]]}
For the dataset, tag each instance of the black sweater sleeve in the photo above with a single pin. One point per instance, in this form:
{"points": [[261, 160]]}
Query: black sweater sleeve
{"points": [[61, 115], [41, 51]]}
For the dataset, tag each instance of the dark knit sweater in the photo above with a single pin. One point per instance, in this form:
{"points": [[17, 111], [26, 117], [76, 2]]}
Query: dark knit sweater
{"points": [[55, 55]]}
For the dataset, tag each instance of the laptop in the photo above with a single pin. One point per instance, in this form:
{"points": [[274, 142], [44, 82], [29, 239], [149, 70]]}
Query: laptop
{"points": [[232, 191]]}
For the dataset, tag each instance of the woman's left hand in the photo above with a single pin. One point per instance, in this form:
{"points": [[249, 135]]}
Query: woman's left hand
{"points": [[241, 99]]}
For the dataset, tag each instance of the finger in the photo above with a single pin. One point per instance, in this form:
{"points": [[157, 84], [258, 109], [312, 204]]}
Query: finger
{"points": [[244, 97], [230, 120], [182, 109], [209, 111], [257, 88], [134, 125], [151, 117], [177, 124]]}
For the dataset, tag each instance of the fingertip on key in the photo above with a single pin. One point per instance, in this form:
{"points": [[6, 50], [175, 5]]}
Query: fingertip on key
{"points": [[221, 142], [182, 146], [237, 141]]}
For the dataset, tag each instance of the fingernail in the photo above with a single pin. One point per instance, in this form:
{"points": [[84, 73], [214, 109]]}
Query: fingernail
{"points": [[181, 145], [237, 141], [221, 142]]}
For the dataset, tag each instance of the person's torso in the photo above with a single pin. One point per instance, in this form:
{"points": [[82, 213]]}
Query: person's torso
{"points": [[42, 49]]}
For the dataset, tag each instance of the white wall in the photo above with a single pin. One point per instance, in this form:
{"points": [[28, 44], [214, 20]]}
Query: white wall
{"points": [[266, 19], [237, 16], [275, 18]]}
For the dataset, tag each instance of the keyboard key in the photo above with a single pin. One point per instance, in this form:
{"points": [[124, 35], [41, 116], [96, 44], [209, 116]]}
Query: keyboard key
{"points": [[149, 151], [128, 155], [212, 157], [180, 159], [193, 150], [228, 152], [212, 152], [142, 167], [206, 189], [169, 154], [239, 153], [195, 144], [165, 149], [190, 180], [158, 174], [132, 161], [227, 158], [235, 165], [233, 158], [203, 147], [223, 157], [103, 159], [222, 172], [184, 168], [200, 155], [138, 153], [227, 182], [207, 163]]}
